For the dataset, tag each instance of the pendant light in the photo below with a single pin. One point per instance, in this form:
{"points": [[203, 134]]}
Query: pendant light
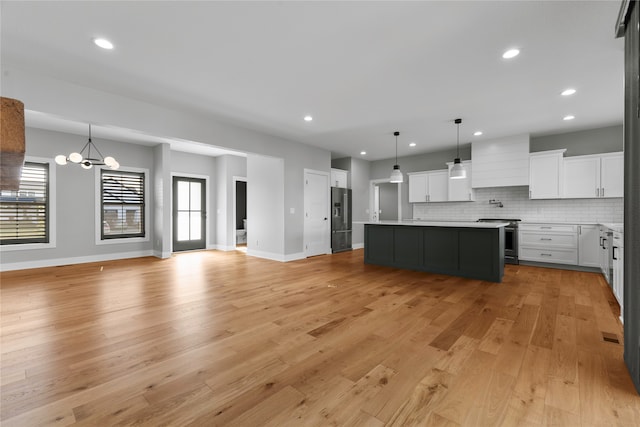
{"points": [[396, 174], [85, 160], [457, 170]]}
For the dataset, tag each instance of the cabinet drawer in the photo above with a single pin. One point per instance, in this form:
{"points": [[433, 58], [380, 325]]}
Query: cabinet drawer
{"points": [[568, 228], [532, 238], [558, 256]]}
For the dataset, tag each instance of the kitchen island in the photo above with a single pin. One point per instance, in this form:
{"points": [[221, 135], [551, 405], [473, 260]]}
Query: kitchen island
{"points": [[468, 249]]}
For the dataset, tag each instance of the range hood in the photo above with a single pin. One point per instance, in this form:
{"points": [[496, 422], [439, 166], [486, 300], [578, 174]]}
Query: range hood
{"points": [[12, 143]]}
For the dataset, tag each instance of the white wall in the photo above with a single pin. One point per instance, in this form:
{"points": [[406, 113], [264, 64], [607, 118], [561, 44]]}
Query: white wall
{"points": [[517, 205], [265, 207], [162, 207]]}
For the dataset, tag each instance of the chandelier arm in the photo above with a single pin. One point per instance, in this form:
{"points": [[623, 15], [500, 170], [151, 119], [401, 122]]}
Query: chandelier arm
{"points": [[96, 148], [83, 148]]}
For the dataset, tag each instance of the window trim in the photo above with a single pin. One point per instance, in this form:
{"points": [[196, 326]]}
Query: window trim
{"points": [[98, 207], [51, 211]]}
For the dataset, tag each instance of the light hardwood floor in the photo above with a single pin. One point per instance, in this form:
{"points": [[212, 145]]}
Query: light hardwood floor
{"points": [[213, 338]]}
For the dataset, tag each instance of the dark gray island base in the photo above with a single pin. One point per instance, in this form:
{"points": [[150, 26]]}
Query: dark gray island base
{"points": [[472, 252]]}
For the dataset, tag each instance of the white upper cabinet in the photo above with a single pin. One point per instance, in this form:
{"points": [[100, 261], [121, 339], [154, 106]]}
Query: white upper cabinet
{"points": [[593, 176], [460, 190], [612, 175], [418, 187], [339, 178], [428, 186], [581, 177], [438, 186], [545, 171], [500, 162]]}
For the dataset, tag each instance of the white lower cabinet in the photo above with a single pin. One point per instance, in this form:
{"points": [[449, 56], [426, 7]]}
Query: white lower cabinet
{"points": [[618, 269], [553, 243], [589, 245]]}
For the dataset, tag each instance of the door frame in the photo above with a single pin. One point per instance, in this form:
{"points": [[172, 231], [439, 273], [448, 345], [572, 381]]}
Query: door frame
{"points": [[373, 214], [305, 237], [207, 241], [235, 179]]}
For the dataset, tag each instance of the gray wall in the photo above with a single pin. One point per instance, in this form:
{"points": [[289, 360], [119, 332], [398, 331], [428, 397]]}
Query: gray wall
{"points": [[593, 141], [65, 99], [422, 162], [187, 164], [75, 194]]}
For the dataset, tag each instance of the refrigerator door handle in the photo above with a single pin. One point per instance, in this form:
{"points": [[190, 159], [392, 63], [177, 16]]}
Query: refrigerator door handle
{"points": [[344, 211]]}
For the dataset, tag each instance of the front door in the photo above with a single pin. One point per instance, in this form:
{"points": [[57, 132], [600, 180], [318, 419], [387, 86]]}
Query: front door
{"points": [[189, 214]]}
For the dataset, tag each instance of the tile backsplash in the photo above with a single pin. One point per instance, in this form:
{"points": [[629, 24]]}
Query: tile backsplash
{"points": [[516, 204]]}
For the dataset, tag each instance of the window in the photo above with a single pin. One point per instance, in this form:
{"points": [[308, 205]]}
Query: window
{"points": [[24, 214], [122, 204]]}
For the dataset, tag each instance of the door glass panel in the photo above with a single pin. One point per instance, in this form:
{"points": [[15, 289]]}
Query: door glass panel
{"points": [[195, 196], [183, 226], [195, 226], [183, 195]]}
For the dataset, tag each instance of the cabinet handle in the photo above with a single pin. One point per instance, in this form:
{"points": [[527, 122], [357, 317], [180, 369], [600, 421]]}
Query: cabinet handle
{"points": [[545, 228], [545, 238], [597, 192], [602, 192], [614, 252], [529, 193], [546, 255], [603, 246], [600, 241], [579, 229]]}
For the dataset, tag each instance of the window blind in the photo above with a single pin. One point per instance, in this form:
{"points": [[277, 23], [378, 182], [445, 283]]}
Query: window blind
{"points": [[123, 201], [24, 216]]}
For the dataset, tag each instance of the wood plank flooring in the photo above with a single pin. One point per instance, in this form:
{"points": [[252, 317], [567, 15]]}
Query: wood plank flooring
{"points": [[219, 338]]}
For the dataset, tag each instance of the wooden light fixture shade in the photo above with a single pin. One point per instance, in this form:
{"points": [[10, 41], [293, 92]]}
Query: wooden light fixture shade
{"points": [[12, 143]]}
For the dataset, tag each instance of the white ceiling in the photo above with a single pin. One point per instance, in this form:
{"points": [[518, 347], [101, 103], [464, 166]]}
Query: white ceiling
{"points": [[361, 69]]}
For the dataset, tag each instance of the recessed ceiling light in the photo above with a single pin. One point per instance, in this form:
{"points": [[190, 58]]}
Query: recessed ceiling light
{"points": [[308, 118], [103, 43], [568, 92], [413, 144], [569, 117], [511, 53], [477, 133], [363, 153]]}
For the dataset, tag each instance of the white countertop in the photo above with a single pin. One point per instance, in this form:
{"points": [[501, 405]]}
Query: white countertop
{"points": [[421, 223]]}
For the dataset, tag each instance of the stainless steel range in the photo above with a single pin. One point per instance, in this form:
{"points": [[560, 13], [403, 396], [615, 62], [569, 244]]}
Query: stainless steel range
{"points": [[510, 238]]}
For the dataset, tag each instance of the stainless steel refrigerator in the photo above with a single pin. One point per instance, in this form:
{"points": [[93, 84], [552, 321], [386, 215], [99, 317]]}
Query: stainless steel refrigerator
{"points": [[340, 219]]}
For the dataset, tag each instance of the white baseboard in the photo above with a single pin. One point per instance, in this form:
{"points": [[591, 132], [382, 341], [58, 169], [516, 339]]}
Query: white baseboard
{"points": [[73, 260], [357, 246], [162, 255], [222, 247], [274, 256], [294, 257]]}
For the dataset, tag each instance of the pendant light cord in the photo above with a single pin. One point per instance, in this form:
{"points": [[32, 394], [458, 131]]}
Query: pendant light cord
{"points": [[458, 143]]}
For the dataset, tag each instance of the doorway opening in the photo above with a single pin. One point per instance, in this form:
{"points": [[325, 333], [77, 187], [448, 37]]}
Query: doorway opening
{"points": [[189, 214], [386, 202], [240, 213]]}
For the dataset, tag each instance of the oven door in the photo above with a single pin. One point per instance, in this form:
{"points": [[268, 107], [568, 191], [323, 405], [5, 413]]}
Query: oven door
{"points": [[510, 245]]}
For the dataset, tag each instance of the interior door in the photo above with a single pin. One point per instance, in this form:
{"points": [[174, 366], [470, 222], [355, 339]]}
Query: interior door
{"points": [[316, 213], [189, 214]]}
